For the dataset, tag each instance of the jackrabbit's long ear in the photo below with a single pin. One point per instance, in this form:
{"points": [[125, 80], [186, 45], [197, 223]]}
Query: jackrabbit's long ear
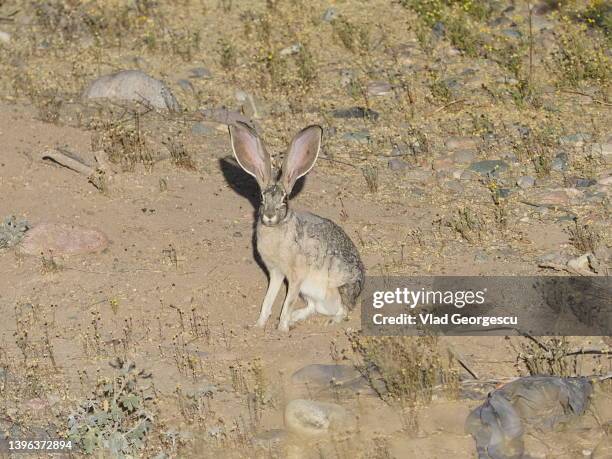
{"points": [[301, 155], [251, 153]]}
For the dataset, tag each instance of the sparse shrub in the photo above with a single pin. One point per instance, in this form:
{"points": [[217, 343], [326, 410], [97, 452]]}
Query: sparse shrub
{"points": [[370, 173], [584, 238], [580, 57], [12, 231], [405, 369], [118, 417], [179, 154], [123, 142], [307, 69], [548, 357], [439, 88], [466, 224], [538, 147], [228, 55]]}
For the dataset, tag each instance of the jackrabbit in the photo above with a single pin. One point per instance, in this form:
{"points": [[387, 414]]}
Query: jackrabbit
{"points": [[315, 255]]}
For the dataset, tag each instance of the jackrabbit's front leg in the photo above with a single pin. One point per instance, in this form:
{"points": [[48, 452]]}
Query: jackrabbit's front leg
{"points": [[293, 291], [276, 280]]}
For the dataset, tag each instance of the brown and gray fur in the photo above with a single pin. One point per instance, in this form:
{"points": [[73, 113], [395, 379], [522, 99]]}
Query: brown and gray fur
{"points": [[315, 255]]}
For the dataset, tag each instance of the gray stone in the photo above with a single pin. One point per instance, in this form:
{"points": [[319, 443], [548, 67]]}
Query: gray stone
{"points": [[461, 143], [185, 85], [356, 112], [579, 182], [379, 88], [199, 72], [438, 29], [396, 164], [560, 162], [454, 186], [504, 192], [324, 374], [346, 77], [5, 37], [312, 418], [605, 181], [468, 175], [525, 181], [603, 149], [576, 140], [357, 136], [329, 14], [512, 33], [464, 156], [489, 166], [291, 50], [201, 129], [132, 85]]}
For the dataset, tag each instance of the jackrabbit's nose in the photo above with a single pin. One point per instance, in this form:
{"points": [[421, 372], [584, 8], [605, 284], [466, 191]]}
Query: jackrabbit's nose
{"points": [[269, 220]]}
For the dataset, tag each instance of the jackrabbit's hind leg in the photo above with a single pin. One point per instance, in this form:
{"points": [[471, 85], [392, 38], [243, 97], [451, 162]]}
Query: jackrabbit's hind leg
{"points": [[332, 306], [303, 313]]}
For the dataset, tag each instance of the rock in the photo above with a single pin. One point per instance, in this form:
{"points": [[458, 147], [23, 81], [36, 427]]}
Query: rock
{"points": [[461, 143], [185, 85], [442, 164], [438, 29], [5, 37], [603, 149], [489, 166], [132, 85], [199, 72], [512, 33], [396, 164], [582, 264], [291, 50], [225, 116], [346, 77], [551, 198], [454, 186], [560, 162], [324, 374], [356, 112], [269, 439], [579, 182], [357, 136], [201, 129], [312, 418], [249, 107], [329, 14], [63, 239], [575, 140], [525, 181], [379, 88], [605, 181], [464, 156], [469, 175]]}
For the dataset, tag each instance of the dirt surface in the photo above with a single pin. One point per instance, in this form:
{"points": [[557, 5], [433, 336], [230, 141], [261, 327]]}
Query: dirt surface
{"points": [[179, 285]]}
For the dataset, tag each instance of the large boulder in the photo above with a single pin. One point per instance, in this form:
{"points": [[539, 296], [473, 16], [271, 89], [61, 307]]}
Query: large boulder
{"points": [[132, 85]]}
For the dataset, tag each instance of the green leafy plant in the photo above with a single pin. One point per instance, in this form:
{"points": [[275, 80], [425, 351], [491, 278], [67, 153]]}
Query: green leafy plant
{"points": [[118, 416]]}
